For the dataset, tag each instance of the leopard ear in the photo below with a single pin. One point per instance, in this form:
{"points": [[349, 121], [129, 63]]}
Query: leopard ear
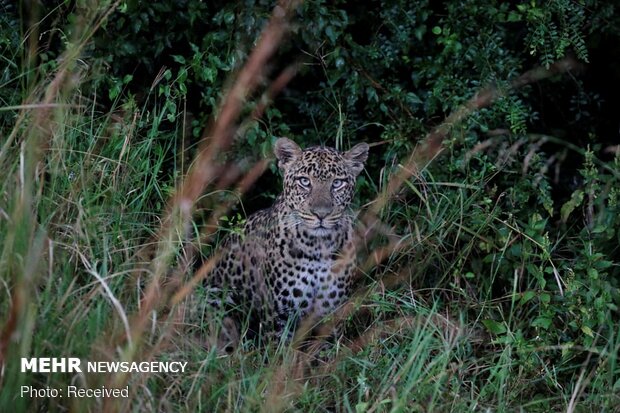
{"points": [[286, 151], [356, 156]]}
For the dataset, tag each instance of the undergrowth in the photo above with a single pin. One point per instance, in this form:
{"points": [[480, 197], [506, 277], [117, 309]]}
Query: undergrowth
{"points": [[495, 292]]}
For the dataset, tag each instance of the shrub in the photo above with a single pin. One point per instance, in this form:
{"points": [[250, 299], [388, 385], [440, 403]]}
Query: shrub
{"points": [[505, 280]]}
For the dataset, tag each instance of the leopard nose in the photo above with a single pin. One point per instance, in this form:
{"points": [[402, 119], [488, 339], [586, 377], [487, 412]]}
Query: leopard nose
{"points": [[320, 213], [321, 205]]}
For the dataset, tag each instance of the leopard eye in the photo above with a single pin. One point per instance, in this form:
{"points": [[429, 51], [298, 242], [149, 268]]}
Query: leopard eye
{"points": [[303, 181], [338, 183]]}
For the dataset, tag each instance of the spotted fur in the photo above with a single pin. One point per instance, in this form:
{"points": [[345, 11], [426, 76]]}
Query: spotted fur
{"points": [[295, 259]]}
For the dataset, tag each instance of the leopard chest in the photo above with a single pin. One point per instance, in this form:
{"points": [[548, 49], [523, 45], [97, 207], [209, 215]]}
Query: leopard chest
{"points": [[303, 280]]}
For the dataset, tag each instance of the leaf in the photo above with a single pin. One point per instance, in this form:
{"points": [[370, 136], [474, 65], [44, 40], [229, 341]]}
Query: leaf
{"points": [[494, 326], [527, 296], [179, 59], [593, 274], [516, 250], [114, 91], [587, 331], [413, 99], [333, 36], [361, 407], [542, 322], [575, 200], [603, 264], [513, 16]]}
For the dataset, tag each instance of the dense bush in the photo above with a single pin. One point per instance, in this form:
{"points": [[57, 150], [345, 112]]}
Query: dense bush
{"points": [[387, 72], [513, 227]]}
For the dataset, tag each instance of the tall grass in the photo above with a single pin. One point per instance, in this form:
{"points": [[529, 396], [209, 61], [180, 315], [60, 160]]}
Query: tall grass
{"points": [[97, 241]]}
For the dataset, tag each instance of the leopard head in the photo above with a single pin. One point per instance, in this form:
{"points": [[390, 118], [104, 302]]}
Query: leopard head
{"points": [[319, 182]]}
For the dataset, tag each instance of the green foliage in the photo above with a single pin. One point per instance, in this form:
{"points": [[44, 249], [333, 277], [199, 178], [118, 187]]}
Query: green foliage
{"points": [[553, 28], [9, 60], [508, 276]]}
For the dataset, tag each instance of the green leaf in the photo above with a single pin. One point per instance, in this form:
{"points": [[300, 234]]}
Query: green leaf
{"points": [[413, 99], [587, 331], [593, 274], [513, 16], [516, 250], [114, 91], [494, 326], [575, 200], [329, 31], [527, 296], [179, 59], [542, 322], [361, 407], [603, 264]]}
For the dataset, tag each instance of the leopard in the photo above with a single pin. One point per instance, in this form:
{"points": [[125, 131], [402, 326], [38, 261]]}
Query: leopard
{"points": [[296, 259]]}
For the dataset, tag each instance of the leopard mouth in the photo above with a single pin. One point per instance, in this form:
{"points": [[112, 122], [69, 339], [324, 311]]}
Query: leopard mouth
{"points": [[319, 225]]}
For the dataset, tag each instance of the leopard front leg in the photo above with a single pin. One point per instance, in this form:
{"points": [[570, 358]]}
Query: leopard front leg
{"points": [[223, 301], [222, 329], [333, 293]]}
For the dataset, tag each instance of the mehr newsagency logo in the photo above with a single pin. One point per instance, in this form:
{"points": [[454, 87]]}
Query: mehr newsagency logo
{"points": [[76, 365]]}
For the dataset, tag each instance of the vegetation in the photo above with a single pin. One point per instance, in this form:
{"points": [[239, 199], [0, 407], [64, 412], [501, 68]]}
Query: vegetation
{"points": [[489, 276]]}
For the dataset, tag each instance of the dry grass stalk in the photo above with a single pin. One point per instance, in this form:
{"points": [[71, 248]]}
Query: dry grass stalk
{"points": [[206, 168], [34, 144]]}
